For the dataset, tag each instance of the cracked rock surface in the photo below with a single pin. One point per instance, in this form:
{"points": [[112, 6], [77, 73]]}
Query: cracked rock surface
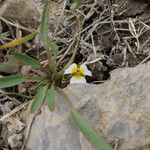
{"points": [[118, 108]]}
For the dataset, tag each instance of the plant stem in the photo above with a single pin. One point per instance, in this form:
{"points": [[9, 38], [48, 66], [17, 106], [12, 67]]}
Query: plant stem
{"points": [[20, 95]]}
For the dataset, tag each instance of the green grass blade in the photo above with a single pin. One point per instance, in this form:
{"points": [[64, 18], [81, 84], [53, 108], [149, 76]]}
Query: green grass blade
{"points": [[74, 4], [27, 60], [18, 41], [9, 68], [39, 99], [11, 81], [44, 24], [96, 140], [35, 78], [53, 45], [51, 98], [38, 84], [45, 40]]}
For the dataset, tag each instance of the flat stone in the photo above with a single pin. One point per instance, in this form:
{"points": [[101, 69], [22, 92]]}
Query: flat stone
{"points": [[118, 109]]}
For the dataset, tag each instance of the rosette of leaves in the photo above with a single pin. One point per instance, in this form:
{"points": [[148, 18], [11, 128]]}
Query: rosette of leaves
{"points": [[48, 81]]}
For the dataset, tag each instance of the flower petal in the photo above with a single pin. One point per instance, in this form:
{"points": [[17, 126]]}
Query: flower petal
{"points": [[75, 79], [70, 68], [85, 71]]}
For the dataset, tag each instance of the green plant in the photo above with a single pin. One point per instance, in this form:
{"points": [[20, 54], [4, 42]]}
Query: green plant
{"points": [[74, 4], [47, 82]]}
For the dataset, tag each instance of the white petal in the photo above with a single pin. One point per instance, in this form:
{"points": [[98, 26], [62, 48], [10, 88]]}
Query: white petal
{"points": [[86, 70], [77, 80], [69, 69]]}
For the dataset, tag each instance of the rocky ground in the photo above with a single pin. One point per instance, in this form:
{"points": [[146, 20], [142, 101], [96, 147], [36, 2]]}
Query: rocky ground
{"points": [[113, 38], [118, 108]]}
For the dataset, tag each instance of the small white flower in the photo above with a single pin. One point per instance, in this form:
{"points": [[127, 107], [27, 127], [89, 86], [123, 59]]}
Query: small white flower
{"points": [[78, 73]]}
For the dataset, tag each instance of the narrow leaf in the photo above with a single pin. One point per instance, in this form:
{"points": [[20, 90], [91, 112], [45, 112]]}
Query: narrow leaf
{"points": [[44, 24], [11, 81], [53, 45], [8, 68], [45, 40], [18, 41], [39, 98], [27, 60], [96, 140], [51, 98], [35, 78], [74, 4], [36, 85]]}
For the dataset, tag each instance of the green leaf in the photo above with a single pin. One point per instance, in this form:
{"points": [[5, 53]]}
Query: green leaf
{"points": [[11, 81], [44, 24], [35, 78], [12, 60], [51, 98], [53, 45], [8, 68], [39, 98], [74, 4], [27, 60], [36, 85], [96, 140], [45, 40], [18, 41]]}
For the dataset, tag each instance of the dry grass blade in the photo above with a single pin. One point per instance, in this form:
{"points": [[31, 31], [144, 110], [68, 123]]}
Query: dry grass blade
{"points": [[15, 25], [64, 5], [28, 130], [145, 60], [14, 111], [18, 41]]}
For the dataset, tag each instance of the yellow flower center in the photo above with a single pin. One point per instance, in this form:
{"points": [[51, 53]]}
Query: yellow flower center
{"points": [[78, 71]]}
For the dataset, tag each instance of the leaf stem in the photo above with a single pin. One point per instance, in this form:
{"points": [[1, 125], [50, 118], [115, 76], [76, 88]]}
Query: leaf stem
{"points": [[18, 94]]}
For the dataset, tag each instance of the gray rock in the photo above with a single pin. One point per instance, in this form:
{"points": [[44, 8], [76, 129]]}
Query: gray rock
{"points": [[24, 11], [118, 108]]}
